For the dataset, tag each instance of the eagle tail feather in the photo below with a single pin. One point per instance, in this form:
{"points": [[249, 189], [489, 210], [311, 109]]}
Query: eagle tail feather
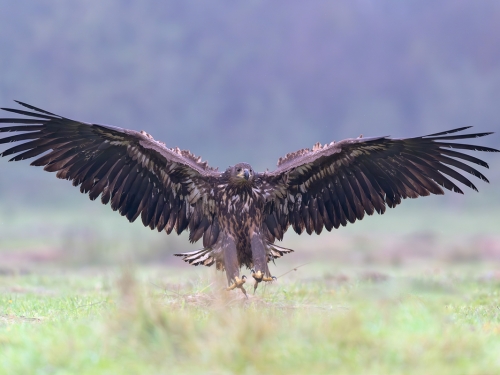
{"points": [[198, 257], [206, 257], [275, 251]]}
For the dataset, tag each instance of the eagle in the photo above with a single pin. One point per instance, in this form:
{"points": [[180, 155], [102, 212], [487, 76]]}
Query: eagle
{"points": [[240, 213]]}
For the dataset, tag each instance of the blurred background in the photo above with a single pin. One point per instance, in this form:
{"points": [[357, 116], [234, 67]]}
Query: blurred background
{"points": [[251, 81]]}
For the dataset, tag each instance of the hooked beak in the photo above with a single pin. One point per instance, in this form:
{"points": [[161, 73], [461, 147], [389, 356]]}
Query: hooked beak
{"points": [[246, 174]]}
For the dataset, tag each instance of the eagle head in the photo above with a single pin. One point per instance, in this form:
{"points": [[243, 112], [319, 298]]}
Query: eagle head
{"points": [[241, 174]]}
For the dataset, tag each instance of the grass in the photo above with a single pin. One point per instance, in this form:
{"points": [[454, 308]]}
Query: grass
{"points": [[120, 321], [411, 292]]}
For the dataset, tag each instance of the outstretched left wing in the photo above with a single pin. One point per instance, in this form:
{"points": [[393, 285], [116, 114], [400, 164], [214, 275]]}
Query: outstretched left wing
{"points": [[168, 188], [333, 184]]}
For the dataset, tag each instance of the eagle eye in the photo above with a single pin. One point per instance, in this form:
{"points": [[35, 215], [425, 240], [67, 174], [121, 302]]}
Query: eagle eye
{"points": [[238, 170]]}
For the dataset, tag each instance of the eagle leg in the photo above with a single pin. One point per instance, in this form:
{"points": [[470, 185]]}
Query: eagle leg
{"points": [[260, 272], [232, 265]]}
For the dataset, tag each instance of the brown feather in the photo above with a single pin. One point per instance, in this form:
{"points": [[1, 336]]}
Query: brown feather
{"points": [[326, 186]]}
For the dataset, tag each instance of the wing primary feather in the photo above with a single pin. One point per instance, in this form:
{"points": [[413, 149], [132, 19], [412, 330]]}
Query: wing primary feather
{"points": [[418, 175], [33, 147], [109, 182], [164, 216], [106, 166], [462, 136], [157, 212], [123, 191], [462, 156], [70, 148], [149, 210], [429, 170], [359, 191], [376, 191], [20, 137], [32, 114], [71, 170], [341, 218], [96, 165], [345, 211], [352, 199], [462, 146], [323, 210], [405, 187], [390, 185], [117, 184], [52, 157], [57, 165], [20, 128], [297, 222], [447, 132], [133, 207], [458, 164], [104, 176], [413, 183], [457, 176], [144, 198], [316, 217], [132, 192], [78, 176], [35, 108], [306, 217], [174, 212]]}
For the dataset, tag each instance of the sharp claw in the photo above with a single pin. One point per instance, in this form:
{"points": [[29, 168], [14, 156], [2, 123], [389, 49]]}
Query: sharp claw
{"points": [[259, 277], [238, 283], [268, 278]]}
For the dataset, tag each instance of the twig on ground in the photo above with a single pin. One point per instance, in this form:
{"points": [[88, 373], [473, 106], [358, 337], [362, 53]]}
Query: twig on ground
{"points": [[294, 269], [90, 304]]}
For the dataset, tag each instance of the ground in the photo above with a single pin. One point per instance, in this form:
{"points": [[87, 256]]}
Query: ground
{"points": [[107, 297], [138, 322]]}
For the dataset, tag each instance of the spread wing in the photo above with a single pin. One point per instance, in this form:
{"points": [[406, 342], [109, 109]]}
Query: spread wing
{"points": [[331, 185], [168, 188]]}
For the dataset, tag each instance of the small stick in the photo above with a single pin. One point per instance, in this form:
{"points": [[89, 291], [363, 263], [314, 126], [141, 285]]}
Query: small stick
{"points": [[89, 304], [294, 269]]}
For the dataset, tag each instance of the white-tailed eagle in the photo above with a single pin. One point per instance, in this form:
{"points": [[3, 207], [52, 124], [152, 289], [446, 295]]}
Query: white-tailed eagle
{"points": [[240, 213]]}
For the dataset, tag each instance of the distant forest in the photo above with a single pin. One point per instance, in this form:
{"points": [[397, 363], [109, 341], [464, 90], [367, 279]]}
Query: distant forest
{"points": [[252, 80]]}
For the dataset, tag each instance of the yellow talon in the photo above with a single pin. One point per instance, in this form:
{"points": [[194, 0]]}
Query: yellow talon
{"points": [[259, 276], [238, 283]]}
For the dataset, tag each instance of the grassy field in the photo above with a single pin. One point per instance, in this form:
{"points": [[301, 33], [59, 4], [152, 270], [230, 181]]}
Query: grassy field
{"points": [[413, 292], [152, 320]]}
